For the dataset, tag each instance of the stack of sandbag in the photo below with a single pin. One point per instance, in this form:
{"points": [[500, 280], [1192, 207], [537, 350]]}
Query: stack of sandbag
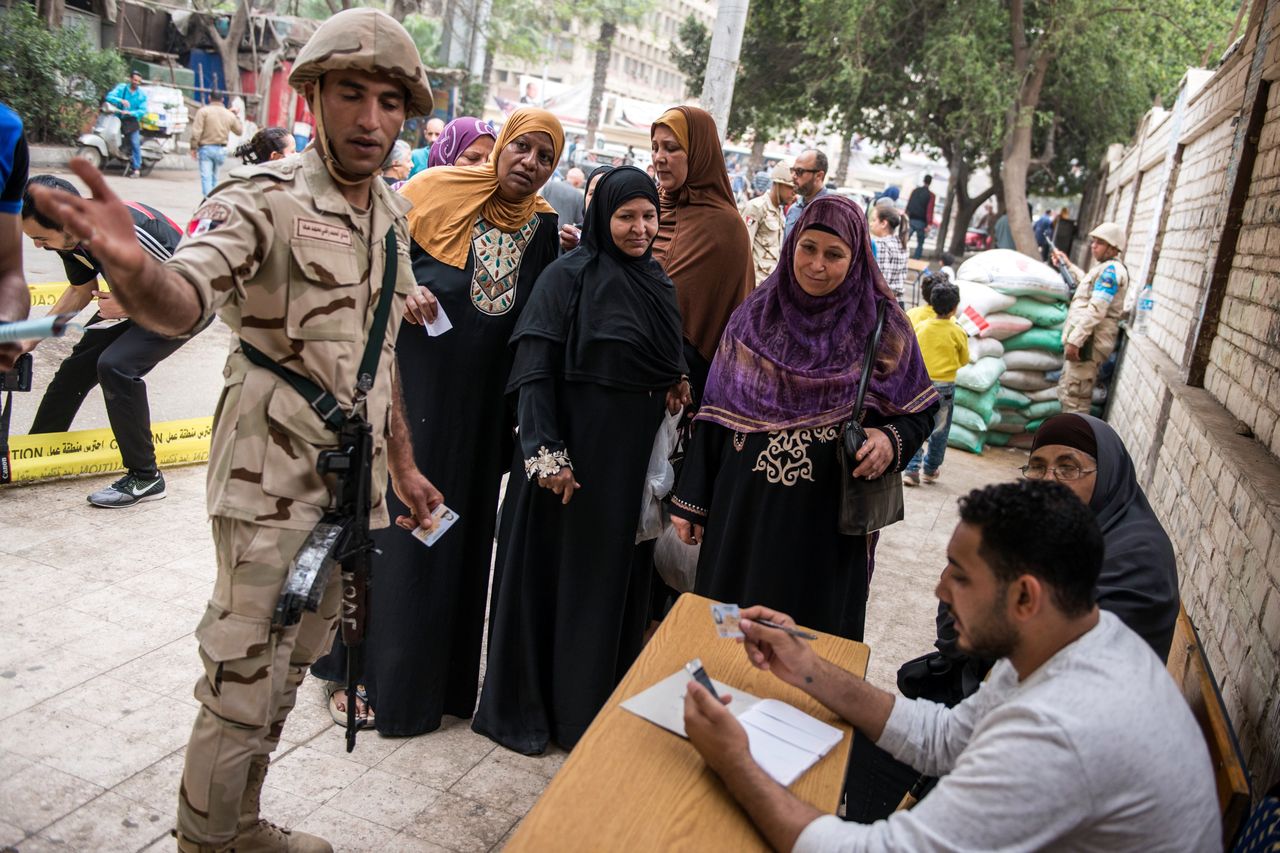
{"points": [[1029, 309], [976, 388]]}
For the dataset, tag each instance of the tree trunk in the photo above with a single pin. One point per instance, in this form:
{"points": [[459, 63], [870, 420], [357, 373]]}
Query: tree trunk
{"points": [[846, 157], [954, 171], [1031, 67], [229, 48], [52, 11], [402, 8], [604, 51], [756, 162]]}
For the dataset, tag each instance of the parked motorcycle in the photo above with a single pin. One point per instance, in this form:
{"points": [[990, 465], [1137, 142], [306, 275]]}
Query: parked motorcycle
{"points": [[105, 144]]}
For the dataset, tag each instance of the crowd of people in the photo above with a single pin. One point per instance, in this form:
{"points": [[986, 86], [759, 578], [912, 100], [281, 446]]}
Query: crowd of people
{"points": [[549, 344]]}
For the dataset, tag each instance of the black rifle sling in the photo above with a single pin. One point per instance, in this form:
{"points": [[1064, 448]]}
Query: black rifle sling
{"points": [[324, 403]]}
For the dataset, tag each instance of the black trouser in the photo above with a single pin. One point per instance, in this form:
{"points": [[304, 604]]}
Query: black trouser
{"points": [[116, 357]]}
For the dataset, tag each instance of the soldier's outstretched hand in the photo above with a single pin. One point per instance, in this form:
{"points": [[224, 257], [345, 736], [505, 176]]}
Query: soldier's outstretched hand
{"points": [[101, 222]]}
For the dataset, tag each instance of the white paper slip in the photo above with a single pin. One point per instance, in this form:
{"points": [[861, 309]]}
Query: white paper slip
{"points": [[445, 518], [783, 740], [105, 323], [440, 324]]}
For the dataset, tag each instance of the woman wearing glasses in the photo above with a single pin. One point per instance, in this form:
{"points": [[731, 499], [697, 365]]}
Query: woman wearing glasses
{"points": [[1139, 580]]}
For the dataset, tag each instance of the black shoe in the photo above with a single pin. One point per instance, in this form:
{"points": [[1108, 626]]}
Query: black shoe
{"points": [[129, 490]]}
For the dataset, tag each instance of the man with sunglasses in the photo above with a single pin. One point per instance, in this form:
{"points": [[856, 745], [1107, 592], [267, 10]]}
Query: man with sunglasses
{"points": [[810, 177]]}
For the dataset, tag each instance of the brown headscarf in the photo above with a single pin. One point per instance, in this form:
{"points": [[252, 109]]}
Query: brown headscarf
{"points": [[446, 199], [702, 242]]}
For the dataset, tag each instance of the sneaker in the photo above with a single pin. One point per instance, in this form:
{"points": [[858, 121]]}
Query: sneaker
{"points": [[932, 476], [129, 490], [911, 478]]}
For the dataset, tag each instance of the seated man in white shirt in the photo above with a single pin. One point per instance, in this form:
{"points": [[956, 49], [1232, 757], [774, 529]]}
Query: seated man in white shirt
{"points": [[1078, 740]]}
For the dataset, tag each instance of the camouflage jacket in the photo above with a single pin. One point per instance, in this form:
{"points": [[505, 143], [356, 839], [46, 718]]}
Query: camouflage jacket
{"points": [[1097, 306], [283, 260]]}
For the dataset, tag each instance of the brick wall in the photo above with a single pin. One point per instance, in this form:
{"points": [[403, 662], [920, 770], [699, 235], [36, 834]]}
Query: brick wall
{"points": [[1208, 456]]}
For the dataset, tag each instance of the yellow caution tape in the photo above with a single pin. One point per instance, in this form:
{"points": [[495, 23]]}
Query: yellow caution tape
{"points": [[94, 451], [47, 293]]}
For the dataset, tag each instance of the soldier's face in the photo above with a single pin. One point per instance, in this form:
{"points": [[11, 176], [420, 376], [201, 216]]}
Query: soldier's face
{"points": [[524, 165], [363, 114]]}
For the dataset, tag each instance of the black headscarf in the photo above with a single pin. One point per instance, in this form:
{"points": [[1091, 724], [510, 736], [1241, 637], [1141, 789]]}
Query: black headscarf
{"points": [[616, 315], [1139, 579]]}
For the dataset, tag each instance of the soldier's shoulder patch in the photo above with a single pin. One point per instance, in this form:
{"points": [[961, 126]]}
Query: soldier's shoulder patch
{"points": [[210, 215]]}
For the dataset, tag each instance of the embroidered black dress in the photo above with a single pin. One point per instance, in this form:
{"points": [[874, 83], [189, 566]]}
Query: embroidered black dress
{"points": [[570, 603], [771, 534], [422, 653]]}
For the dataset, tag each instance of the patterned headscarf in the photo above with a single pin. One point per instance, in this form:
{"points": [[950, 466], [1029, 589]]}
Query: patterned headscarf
{"points": [[457, 137]]}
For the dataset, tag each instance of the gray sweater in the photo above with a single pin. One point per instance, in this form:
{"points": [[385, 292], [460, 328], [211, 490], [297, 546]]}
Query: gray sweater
{"points": [[1095, 751]]}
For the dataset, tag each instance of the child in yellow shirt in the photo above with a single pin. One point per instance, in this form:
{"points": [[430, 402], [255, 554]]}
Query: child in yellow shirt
{"points": [[945, 348]]}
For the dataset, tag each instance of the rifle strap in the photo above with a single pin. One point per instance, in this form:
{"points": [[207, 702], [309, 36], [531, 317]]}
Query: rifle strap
{"points": [[324, 403]]}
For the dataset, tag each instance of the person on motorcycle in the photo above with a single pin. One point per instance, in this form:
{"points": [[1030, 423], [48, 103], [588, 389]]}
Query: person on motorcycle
{"points": [[131, 102]]}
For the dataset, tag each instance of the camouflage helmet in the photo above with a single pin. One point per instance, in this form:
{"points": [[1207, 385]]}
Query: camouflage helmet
{"points": [[366, 40], [1111, 234], [782, 174]]}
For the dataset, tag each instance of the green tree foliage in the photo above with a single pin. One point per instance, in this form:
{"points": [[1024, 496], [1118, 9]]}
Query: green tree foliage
{"points": [[53, 79], [425, 33], [689, 52]]}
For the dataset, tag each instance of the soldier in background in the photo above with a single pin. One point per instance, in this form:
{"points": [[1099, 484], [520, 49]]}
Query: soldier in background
{"points": [[766, 217], [291, 256], [1093, 323]]}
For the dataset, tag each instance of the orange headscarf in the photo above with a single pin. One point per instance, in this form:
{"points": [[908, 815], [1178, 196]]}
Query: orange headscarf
{"points": [[447, 199], [702, 242]]}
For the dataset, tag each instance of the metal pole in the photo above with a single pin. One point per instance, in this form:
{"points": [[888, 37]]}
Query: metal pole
{"points": [[722, 61]]}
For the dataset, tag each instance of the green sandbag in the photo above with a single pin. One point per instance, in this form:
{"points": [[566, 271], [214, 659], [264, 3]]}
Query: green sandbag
{"points": [[964, 439], [1032, 426], [1045, 339], [980, 375], [1044, 315], [1047, 409], [969, 419], [998, 439], [1013, 416], [1008, 398], [981, 403]]}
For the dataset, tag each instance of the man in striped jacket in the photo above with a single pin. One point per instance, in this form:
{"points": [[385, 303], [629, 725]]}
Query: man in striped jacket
{"points": [[114, 352]]}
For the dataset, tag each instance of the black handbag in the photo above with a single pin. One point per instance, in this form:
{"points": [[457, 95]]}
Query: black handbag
{"points": [[866, 505]]}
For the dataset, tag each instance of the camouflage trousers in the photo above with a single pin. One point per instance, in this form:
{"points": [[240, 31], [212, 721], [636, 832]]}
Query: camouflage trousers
{"points": [[251, 673], [1075, 388]]}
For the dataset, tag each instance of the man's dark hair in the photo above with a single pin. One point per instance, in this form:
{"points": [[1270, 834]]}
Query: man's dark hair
{"points": [[890, 216], [948, 259], [928, 179], [1039, 528], [217, 97], [944, 297], [29, 209], [819, 159]]}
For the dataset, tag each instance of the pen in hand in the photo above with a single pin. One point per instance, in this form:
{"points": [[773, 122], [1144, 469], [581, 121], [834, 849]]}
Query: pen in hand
{"points": [[795, 632]]}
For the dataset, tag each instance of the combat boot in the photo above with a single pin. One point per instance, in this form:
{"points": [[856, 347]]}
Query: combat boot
{"points": [[259, 835], [186, 845]]}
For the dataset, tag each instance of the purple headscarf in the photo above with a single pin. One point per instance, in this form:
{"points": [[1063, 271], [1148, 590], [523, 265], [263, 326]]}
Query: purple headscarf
{"points": [[456, 137], [789, 360]]}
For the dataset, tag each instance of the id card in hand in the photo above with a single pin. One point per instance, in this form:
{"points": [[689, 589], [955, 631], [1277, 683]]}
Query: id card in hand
{"points": [[726, 618], [445, 519]]}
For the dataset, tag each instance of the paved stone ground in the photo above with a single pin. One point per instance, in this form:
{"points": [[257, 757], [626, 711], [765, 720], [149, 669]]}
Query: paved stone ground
{"points": [[98, 660]]}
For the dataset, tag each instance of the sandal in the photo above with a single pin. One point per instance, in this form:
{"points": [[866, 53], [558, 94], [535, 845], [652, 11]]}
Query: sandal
{"points": [[338, 707]]}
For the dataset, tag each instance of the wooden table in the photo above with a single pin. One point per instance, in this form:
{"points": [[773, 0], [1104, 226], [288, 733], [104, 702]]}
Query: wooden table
{"points": [[630, 785]]}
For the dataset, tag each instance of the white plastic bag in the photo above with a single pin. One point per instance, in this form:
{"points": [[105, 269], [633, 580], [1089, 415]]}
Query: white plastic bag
{"points": [[658, 480]]}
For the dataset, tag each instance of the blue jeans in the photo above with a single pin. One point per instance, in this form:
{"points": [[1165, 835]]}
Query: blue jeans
{"points": [[135, 148], [211, 158], [936, 447], [919, 230]]}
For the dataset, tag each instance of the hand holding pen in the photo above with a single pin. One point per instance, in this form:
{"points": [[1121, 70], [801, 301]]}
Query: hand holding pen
{"points": [[774, 644]]}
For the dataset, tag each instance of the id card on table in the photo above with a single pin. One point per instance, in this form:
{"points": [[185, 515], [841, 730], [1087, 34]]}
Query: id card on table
{"points": [[726, 618], [445, 518]]}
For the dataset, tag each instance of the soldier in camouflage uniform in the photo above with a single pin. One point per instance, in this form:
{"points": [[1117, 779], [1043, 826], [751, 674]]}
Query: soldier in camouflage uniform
{"points": [[290, 254], [1093, 323], [766, 218]]}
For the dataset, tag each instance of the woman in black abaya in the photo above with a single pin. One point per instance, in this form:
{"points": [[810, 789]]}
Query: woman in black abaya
{"points": [[598, 358]]}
